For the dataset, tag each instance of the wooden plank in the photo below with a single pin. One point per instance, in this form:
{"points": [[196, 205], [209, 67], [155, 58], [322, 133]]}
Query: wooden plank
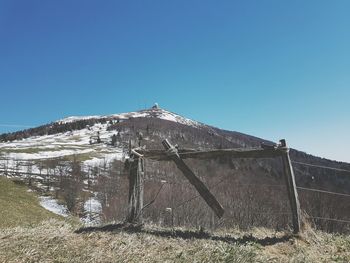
{"points": [[194, 180], [136, 180], [291, 186], [232, 153]]}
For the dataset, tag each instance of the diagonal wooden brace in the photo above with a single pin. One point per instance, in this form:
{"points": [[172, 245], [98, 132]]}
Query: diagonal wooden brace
{"points": [[194, 180]]}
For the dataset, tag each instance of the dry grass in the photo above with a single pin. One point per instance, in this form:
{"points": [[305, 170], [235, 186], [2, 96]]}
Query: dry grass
{"points": [[56, 241], [25, 237], [310, 246]]}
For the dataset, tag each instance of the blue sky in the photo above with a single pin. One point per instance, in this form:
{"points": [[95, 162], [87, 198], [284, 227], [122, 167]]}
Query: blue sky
{"points": [[273, 69]]}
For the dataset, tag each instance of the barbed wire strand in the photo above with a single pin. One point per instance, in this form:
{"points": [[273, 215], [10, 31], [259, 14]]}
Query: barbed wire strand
{"points": [[154, 198], [322, 191], [196, 196], [330, 219], [215, 185], [322, 166]]}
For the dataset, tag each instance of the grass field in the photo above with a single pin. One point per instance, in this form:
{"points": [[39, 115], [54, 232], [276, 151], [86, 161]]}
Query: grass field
{"points": [[29, 233], [18, 207], [57, 241]]}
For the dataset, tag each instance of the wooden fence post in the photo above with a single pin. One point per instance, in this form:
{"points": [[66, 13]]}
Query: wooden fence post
{"points": [[136, 178], [291, 186]]}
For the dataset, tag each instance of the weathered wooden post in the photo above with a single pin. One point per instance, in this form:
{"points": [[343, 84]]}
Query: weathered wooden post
{"points": [[291, 186], [136, 179]]}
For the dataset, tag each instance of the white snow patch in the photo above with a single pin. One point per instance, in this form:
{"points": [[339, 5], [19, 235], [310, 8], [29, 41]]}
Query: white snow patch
{"points": [[46, 155], [78, 118], [92, 211], [158, 113], [51, 204], [105, 159]]}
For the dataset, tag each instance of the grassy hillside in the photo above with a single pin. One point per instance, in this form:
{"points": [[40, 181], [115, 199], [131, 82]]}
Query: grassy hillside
{"points": [[18, 206], [56, 241], [29, 233]]}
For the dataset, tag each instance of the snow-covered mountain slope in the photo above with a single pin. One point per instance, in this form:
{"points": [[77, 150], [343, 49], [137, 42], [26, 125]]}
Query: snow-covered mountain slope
{"points": [[63, 145], [149, 113], [76, 137], [80, 143]]}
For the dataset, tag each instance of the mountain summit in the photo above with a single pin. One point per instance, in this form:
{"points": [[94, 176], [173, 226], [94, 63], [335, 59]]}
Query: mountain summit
{"points": [[154, 112]]}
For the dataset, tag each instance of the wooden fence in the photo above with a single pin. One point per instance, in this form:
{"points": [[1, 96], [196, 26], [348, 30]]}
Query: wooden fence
{"points": [[170, 153]]}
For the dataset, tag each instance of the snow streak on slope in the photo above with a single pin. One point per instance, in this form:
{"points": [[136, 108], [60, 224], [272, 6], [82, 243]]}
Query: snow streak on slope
{"points": [[52, 205]]}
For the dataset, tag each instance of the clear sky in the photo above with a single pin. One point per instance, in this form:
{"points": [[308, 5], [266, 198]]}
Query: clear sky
{"points": [[273, 69]]}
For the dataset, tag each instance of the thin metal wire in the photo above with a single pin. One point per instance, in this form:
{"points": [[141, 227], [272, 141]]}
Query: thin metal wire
{"points": [[323, 167], [330, 219], [268, 185], [196, 196], [313, 217], [154, 199], [215, 185], [322, 191], [272, 213]]}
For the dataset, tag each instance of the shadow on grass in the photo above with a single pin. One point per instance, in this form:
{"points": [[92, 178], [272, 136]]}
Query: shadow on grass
{"points": [[185, 234]]}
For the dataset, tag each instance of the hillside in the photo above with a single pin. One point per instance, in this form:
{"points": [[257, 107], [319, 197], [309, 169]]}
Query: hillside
{"points": [[19, 206], [94, 148], [29, 233]]}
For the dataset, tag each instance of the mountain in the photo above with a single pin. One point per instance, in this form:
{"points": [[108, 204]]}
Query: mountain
{"points": [[76, 136], [98, 142]]}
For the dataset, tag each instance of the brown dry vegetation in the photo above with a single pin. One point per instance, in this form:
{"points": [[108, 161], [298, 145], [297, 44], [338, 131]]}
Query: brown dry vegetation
{"points": [[56, 241]]}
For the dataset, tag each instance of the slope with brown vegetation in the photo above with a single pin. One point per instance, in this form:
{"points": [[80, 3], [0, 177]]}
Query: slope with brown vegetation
{"points": [[28, 233], [58, 241]]}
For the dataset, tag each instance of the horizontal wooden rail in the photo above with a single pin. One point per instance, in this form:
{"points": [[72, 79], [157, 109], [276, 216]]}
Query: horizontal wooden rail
{"points": [[161, 155]]}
